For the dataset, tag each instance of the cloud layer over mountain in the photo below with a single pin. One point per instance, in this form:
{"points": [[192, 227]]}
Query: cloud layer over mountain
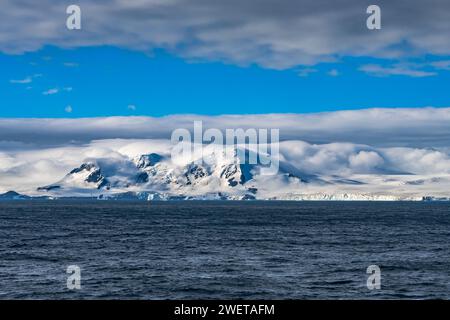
{"points": [[337, 168], [415, 127], [386, 151]]}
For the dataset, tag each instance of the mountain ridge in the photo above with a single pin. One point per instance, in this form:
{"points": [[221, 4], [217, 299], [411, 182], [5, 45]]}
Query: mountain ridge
{"points": [[153, 176]]}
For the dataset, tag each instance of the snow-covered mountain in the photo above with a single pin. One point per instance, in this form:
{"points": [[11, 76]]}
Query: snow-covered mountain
{"points": [[127, 168], [87, 176], [154, 176], [370, 154]]}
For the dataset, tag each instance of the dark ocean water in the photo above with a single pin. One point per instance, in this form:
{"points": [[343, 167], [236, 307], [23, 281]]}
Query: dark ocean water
{"points": [[224, 250]]}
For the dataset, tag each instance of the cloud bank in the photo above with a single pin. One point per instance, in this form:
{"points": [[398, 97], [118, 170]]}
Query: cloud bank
{"points": [[402, 127], [274, 34], [346, 167]]}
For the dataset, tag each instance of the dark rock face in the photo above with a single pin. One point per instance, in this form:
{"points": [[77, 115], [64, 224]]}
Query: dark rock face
{"points": [[246, 174], [84, 166], [194, 172], [236, 174], [253, 190], [148, 160], [48, 188], [95, 176], [229, 173], [248, 197], [142, 177]]}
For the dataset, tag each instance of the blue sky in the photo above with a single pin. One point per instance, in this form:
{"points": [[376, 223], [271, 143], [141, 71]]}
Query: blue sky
{"points": [[109, 81], [211, 57]]}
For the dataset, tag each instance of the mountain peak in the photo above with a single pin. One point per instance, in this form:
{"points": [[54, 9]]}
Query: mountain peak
{"points": [[12, 195], [148, 160], [88, 175]]}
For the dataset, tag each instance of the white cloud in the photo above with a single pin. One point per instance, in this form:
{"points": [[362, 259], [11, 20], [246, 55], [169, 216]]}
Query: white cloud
{"points": [[68, 109], [444, 64], [333, 73], [276, 35], [70, 64], [411, 127], [22, 81], [131, 107], [365, 161], [409, 70], [50, 91], [27, 80]]}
